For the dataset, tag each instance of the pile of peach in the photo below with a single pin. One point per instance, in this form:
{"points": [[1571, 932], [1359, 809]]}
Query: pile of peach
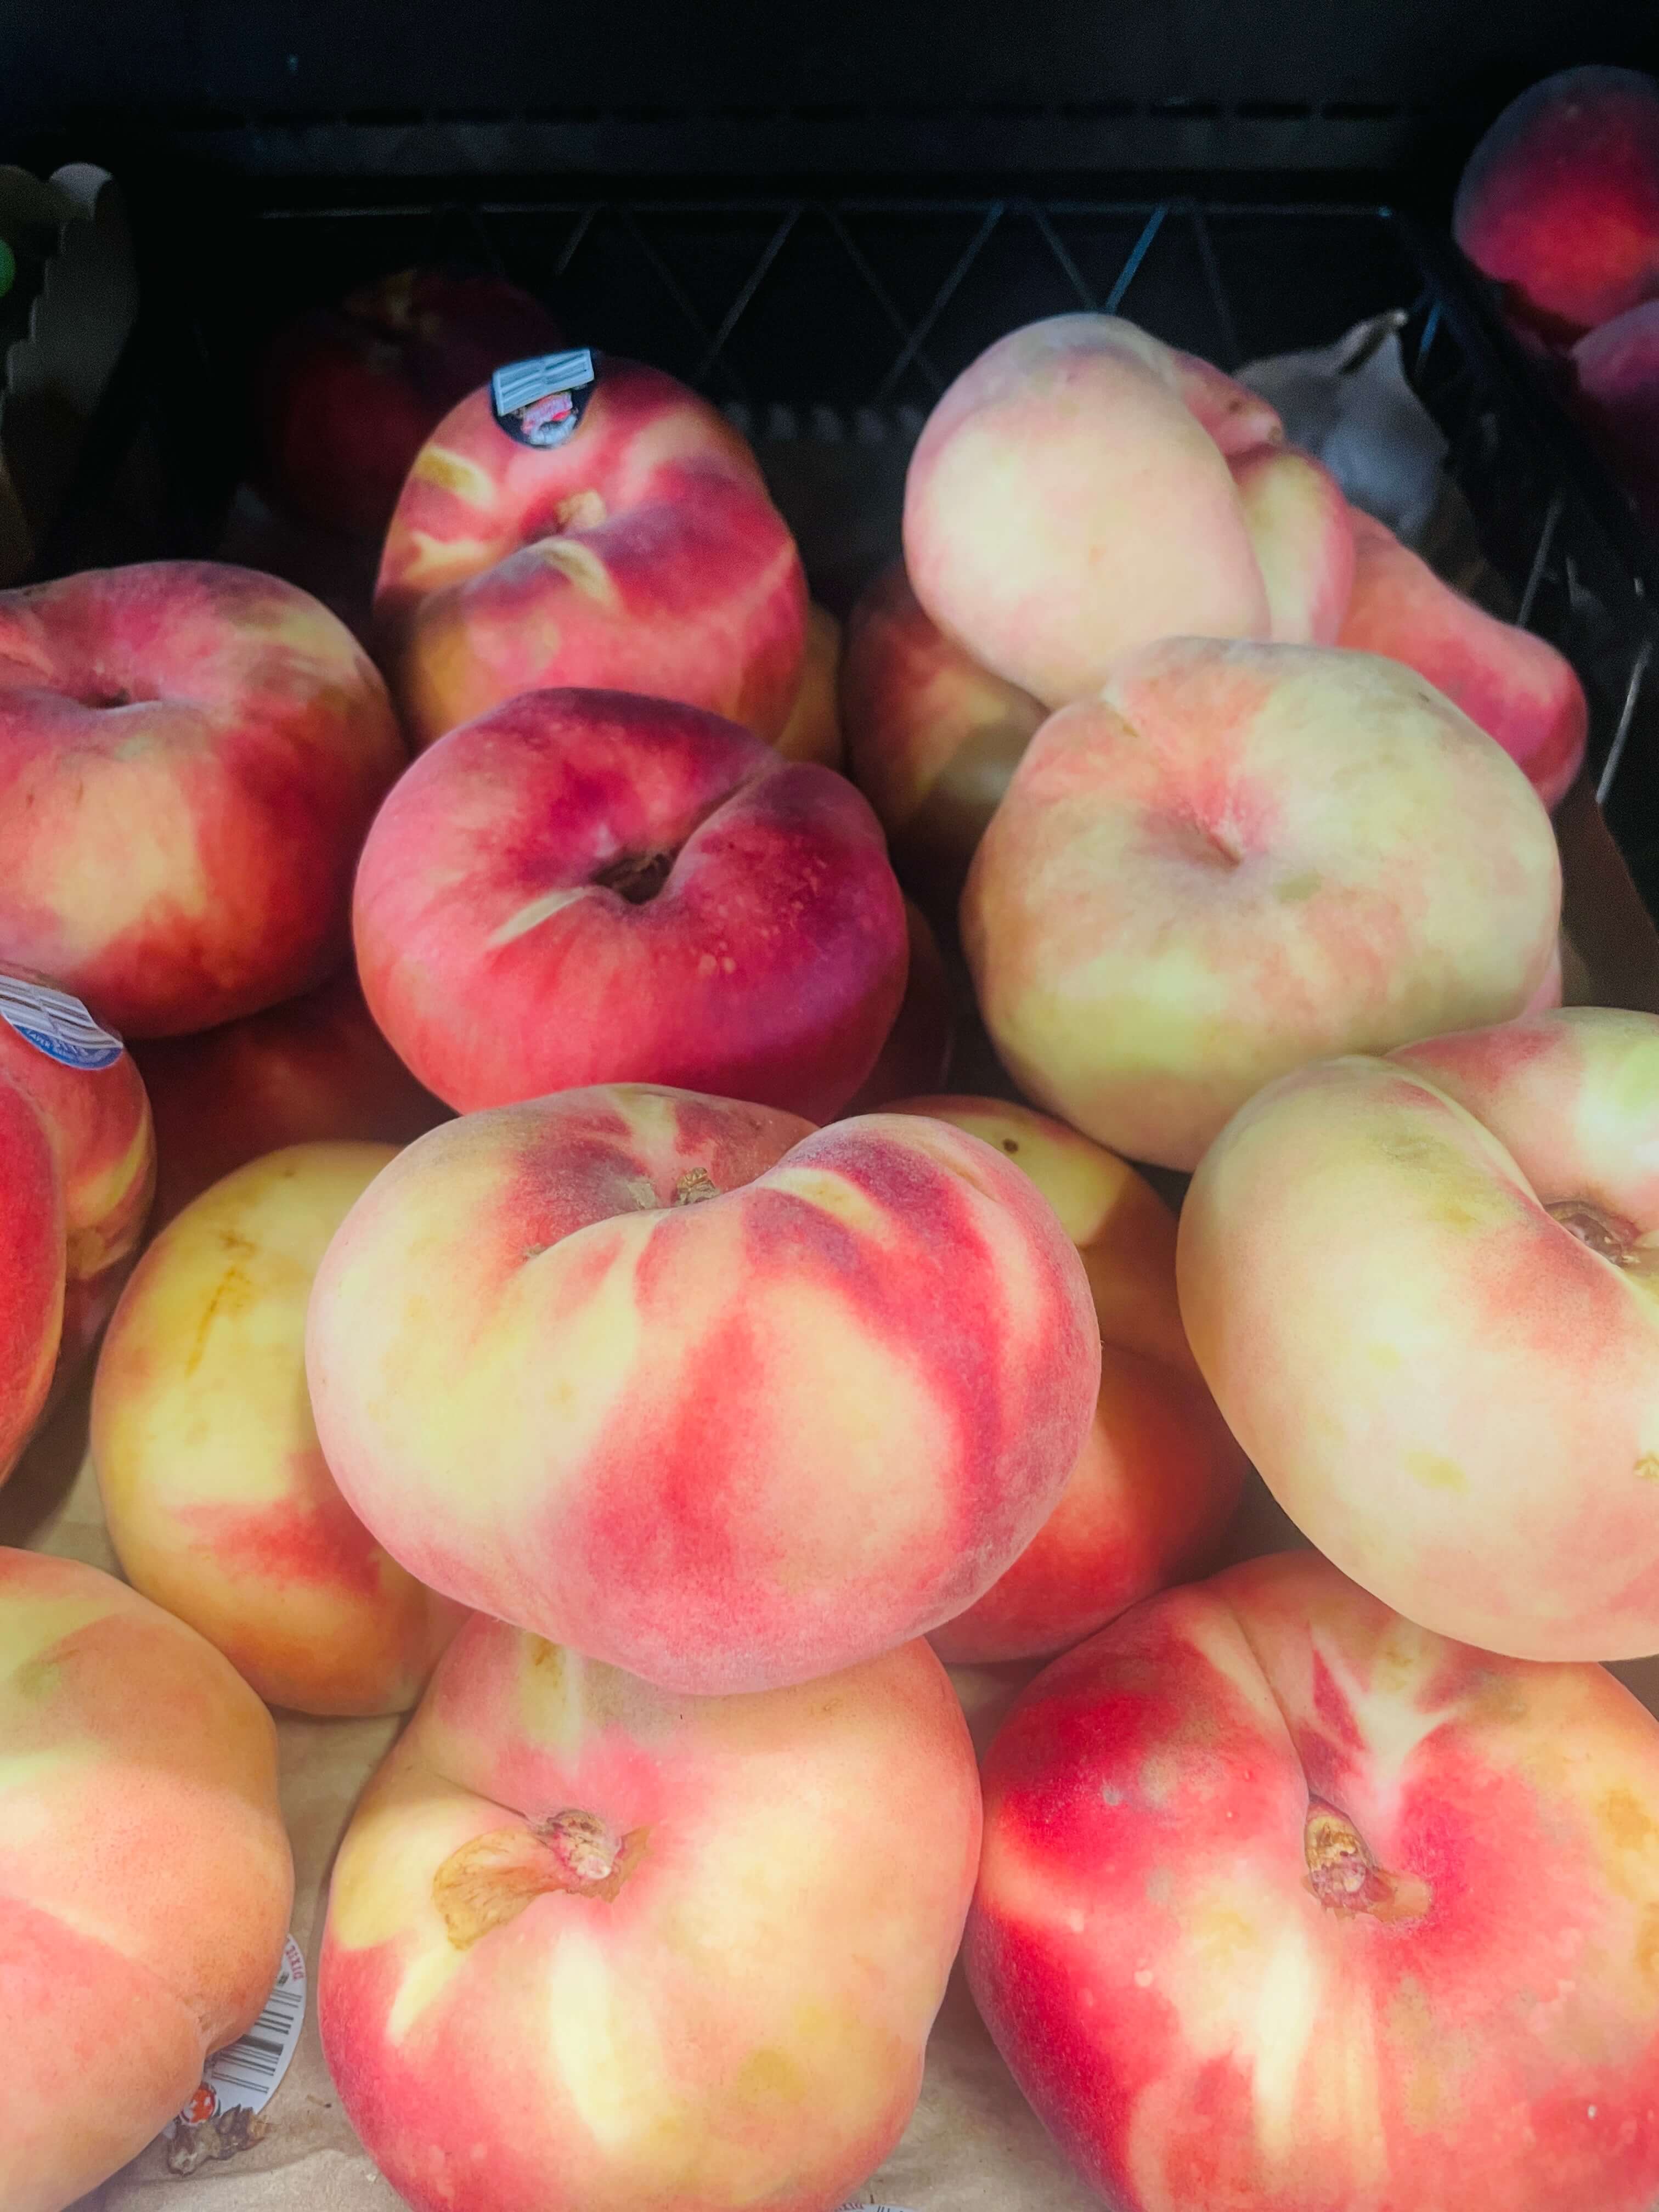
{"points": [[578, 1310], [1559, 207]]}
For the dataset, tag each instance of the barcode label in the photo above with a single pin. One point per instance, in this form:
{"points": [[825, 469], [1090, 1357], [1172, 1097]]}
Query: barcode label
{"points": [[249, 2072], [521, 383], [540, 403], [57, 1024]]}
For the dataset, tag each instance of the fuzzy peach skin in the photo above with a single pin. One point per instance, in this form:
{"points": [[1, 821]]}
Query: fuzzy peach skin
{"points": [[1286, 1904], [698, 1390], [1064, 505], [1517, 687], [145, 1879], [1239, 859], [1559, 202], [189, 756], [1155, 1486], [75, 1183], [593, 1949], [643, 555], [813, 731], [918, 1050], [218, 1500], [311, 1069], [1302, 531], [1438, 1339], [592, 887], [931, 736]]}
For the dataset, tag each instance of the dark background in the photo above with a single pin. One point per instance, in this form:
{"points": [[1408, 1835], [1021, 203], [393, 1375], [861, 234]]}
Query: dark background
{"points": [[390, 87]]}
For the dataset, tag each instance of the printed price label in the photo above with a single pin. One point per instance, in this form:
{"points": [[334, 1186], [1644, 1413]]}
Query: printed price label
{"points": [[57, 1024], [541, 402], [246, 2074]]}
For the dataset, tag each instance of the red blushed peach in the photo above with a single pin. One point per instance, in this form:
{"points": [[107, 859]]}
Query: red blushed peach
{"points": [[1424, 1291], [74, 1193], [312, 1069], [1517, 687], [349, 395], [189, 756], [219, 1502], [1239, 859], [1303, 533], [1287, 1903], [587, 887], [813, 729], [1616, 397], [145, 1879], [1064, 505], [643, 555], [1559, 203], [697, 1390], [591, 1948], [1149, 1497], [918, 1047], [931, 736]]}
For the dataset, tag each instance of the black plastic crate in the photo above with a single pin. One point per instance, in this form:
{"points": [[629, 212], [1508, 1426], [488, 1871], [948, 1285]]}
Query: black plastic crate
{"points": [[833, 317]]}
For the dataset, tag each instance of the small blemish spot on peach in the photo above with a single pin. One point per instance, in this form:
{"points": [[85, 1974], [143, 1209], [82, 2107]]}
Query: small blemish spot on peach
{"points": [[1435, 1471], [1627, 1820], [1143, 1978], [707, 964], [1075, 1922], [1108, 1795], [1011, 1143], [1647, 1467]]}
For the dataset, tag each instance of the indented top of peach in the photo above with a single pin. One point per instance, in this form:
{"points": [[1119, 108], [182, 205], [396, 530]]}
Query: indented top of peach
{"points": [[1559, 202]]}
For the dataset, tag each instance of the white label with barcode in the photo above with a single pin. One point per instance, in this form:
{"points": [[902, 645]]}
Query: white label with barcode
{"points": [[249, 2072], [57, 1024]]}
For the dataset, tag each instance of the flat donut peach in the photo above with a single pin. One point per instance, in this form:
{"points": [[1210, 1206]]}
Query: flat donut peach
{"points": [[643, 555], [190, 755], [589, 887]]}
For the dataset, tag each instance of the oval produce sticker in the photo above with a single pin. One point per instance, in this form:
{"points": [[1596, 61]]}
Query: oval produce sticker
{"points": [[57, 1024]]}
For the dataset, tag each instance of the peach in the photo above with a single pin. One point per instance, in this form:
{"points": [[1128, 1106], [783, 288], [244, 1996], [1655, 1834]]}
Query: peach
{"points": [[145, 1879], [587, 886], [1559, 202], [1151, 1496], [218, 1500], [1517, 687], [1240, 858], [1286, 1904], [78, 1168], [1616, 397], [918, 1047], [1064, 505], [641, 555], [813, 731], [1302, 531], [593, 1949], [1423, 1290], [314, 1068], [189, 756], [347, 395], [931, 736], [696, 1389]]}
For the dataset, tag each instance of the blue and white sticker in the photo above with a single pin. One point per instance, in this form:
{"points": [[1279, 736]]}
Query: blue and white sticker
{"points": [[540, 402], [57, 1024]]}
